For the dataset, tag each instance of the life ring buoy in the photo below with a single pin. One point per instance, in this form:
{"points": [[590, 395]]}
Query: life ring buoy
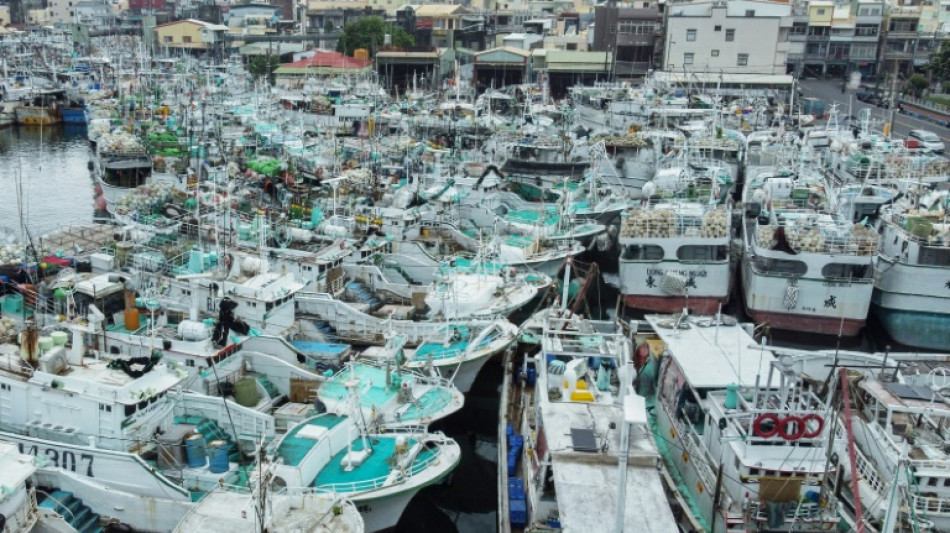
{"points": [[799, 428], [808, 418], [761, 432]]}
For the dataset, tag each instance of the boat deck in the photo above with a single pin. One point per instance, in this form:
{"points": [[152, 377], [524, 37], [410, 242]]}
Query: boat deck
{"points": [[377, 395], [293, 448]]}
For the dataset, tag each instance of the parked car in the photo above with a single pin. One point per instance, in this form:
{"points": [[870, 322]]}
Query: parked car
{"points": [[927, 139]]}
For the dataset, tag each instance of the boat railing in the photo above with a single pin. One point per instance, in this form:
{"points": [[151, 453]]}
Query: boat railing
{"points": [[868, 473], [711, 222], [930, 505], [694, 449], [834, 236], [363, 485], [918, 229]]}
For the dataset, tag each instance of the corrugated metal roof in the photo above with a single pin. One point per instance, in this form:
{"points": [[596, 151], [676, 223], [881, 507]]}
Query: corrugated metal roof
{"points": [[440, 10], [327, 60]]}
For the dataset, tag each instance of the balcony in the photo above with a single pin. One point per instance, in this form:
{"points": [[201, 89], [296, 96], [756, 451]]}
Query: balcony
{"points": [[890, 56], [900, 34]]}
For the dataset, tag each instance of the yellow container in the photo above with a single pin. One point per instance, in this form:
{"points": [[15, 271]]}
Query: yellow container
{"points": [[582, 396], [361, 54]]}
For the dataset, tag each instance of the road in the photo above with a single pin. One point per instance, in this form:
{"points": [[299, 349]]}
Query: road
{"points": [[830, 92]]}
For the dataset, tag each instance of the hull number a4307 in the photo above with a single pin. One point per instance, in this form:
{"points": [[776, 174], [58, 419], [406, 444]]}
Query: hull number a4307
{"points": [[65, 459]]}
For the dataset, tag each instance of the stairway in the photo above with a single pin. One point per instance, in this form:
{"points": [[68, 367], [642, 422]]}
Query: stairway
{"points": [[324, 327], [268, 386], [73, 510]]}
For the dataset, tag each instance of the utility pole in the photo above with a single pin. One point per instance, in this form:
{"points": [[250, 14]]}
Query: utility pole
{"points": [[893, 101]]}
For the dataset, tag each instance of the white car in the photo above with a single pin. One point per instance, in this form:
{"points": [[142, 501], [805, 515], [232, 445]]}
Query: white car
{"points": [[927, 139]]}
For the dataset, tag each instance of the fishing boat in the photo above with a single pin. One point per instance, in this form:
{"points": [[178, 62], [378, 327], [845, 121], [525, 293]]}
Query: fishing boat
{"points": [[121, 164], [230, 509], [806, 266], [102, 417], [910, 285], [676, 246], [42, 109], [889, 458], [745, 438], [70, 501], [18, 496], [574, 442], [378, 472]]}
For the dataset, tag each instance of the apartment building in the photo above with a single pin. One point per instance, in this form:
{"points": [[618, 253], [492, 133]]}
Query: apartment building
{"points": [[829, 39], [632, 34], [738, 36]]}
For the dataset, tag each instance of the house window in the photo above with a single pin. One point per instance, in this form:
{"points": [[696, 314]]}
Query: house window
{"points": [[743, 60], [730, 35], [717, 28], [688, 58], [866, 30], [690, 35], [820, 11], [750, 12], [714, 53], [186, 38], [167, 39], [798, 28]]}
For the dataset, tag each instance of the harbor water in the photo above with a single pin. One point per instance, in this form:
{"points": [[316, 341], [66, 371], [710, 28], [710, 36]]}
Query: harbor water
{"points": [[48, 166]]}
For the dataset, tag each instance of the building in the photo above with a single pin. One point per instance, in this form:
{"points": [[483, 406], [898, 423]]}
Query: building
{"points": [[40, 17], [94, 13], [245, 15], [741, 36], [190, 34], [322, 64], [903, 45], [634, 33], [444, 19], [5, 19], [828, 39]]}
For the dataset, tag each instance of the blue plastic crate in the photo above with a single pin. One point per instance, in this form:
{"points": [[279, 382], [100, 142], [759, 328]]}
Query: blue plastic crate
{"points": [[518, 512]]}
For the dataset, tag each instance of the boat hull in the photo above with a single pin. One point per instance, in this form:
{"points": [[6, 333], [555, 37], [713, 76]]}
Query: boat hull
{"points": [[910, 302], [921, 329], [703, 305], [817, 324], [120, 470], [74, 116], [37, 116], [807, 305]]}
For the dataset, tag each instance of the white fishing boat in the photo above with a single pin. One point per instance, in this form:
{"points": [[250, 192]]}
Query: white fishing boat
{"points": [[378, 472], [676, 246], [806, 267], [745, 439], [121, 163], [457, 351], [72, 502], [18, 496], [578, 449], [229, 510], [910, 296], [102, 418], [391, 395]]}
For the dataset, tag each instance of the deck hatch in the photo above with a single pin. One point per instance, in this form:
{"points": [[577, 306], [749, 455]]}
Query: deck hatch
{"points": [[583, 440]]}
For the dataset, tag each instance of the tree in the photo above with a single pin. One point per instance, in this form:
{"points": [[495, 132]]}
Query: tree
{"points": [[939, 63], [263, 67], [918, 82], [369, 33]]}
